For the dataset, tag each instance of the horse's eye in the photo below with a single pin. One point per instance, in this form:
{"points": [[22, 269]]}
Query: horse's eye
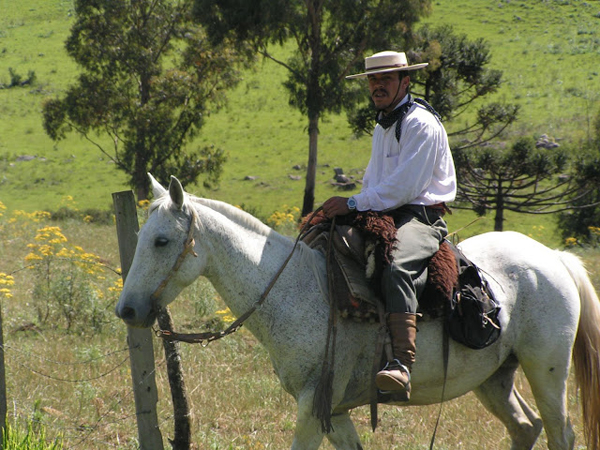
{"points": [[161, 242]]}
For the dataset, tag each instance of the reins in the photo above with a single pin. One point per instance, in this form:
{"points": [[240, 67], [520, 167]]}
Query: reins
{"points": [[209, 336]]}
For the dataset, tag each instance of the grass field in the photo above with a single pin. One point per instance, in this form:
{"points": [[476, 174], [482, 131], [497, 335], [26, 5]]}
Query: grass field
{"points": [[77, 383], [548, 51]]}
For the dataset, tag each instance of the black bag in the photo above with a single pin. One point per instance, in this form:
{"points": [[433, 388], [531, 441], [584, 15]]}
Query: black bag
{"points": [[473, 316]]}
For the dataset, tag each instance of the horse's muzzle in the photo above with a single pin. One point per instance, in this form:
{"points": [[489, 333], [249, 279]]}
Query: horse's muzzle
{"points": [[135, 316]]}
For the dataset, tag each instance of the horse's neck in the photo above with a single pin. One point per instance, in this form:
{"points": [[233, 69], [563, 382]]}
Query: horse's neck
{"points": [[244, 257]]}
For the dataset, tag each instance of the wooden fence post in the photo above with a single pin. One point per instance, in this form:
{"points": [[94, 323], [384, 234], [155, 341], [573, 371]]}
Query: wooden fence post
{"points": [[3, 407], [141, 351]]}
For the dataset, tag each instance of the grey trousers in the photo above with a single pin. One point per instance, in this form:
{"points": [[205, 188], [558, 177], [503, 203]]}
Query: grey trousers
{"points": [[420, 232]]}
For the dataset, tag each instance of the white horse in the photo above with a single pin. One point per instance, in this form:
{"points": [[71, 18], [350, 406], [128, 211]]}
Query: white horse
{"points": [[550, 313]]}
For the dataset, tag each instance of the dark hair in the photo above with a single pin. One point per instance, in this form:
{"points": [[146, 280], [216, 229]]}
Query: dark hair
{"points": [[407, 87]]}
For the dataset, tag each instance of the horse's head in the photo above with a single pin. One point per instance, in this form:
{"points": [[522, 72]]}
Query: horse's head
{"points": [[165, 260]]}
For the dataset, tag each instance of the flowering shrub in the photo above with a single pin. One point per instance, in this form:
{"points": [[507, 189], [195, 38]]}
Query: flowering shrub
{"points": [[285, 221], [69, 282], [226, 316], [571, 242], [593, 240], [6, 281]]}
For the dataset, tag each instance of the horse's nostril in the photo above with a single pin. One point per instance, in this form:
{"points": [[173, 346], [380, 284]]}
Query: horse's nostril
{"points": [[127, 313]]}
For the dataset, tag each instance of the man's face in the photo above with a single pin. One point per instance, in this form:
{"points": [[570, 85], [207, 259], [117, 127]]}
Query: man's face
{"points": [[387, 89]]}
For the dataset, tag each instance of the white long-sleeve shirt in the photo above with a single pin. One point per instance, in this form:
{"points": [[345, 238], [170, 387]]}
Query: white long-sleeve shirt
{"points": [[418, 170]]}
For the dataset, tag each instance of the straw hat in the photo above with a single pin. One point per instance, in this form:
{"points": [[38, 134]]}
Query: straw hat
{"points": [[386, 62]]}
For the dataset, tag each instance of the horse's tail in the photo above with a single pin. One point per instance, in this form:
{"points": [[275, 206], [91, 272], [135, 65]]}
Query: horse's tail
{"points": [[586, 352]]}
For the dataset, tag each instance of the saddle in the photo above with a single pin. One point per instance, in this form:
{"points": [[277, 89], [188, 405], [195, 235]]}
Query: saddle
{"points": [[356, 262]]}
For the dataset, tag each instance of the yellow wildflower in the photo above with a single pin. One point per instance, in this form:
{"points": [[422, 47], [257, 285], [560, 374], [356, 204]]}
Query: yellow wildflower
{"points": [[52, 235], [117, 287], [571, 242], [594, 230], [6, 280], [33, 257], [226, 315]]}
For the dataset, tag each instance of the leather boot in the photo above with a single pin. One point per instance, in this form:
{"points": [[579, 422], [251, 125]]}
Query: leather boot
{"points": [[395, 377]]}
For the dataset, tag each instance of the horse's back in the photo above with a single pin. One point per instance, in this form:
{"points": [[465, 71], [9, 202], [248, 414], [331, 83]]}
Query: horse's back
{"points": [[539, 298]]}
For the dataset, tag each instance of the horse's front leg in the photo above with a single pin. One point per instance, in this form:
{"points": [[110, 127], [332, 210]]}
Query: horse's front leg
{"points": [[344, 436], [308, 435]]}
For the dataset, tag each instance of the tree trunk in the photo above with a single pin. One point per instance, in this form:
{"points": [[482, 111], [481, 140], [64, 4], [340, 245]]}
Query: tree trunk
{"points": [[311, 169], [499, 219], [142, 153], [313, 100]]}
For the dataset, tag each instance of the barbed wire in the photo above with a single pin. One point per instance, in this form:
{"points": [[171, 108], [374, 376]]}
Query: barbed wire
{"points": [[100, 419], [116, 271], [78, 435], [65, 363]]}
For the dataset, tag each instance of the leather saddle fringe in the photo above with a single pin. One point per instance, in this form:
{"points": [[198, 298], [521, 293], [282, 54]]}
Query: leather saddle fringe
{"points": [[323, 396]]}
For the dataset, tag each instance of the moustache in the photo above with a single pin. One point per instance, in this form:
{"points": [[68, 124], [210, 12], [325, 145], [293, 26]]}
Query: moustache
{"points": [[379, 91]]}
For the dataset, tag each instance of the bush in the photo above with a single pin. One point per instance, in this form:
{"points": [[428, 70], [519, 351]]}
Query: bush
{"points": [[90, 215], [70, 284], [16, 80]]}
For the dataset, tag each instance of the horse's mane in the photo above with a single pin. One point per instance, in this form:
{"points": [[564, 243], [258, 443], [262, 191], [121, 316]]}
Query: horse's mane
{"points": [[234, 214]]}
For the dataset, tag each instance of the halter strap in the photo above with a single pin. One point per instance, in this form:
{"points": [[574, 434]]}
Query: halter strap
{"points": [[188, 248]]}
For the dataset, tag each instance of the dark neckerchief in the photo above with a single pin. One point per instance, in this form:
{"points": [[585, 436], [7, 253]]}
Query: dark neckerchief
{"points": [[396, 116]]}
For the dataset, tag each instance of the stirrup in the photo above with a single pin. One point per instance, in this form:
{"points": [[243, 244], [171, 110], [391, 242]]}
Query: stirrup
{"points": [[396, 364]]}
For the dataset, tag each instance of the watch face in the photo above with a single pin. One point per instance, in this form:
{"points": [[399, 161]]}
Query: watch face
{"points": [[351, 203]]}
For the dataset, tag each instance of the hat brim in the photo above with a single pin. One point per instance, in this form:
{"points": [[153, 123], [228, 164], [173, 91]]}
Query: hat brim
{"points": [[391, 69]]}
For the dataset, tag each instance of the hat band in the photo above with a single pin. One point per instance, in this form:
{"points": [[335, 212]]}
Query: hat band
{"points": [[387, 67]]}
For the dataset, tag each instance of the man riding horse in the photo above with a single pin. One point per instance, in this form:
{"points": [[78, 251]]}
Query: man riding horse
{"points": [[411, 175]]}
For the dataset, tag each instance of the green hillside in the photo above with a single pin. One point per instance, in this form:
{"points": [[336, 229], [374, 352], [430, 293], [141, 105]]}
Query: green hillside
{"points": [[548, 51]]}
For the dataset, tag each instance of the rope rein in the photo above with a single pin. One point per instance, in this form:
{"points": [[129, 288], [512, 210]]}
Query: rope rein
{"points": [[209, 336]]}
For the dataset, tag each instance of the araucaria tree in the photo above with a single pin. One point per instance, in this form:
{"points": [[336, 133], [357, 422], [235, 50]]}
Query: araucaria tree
{"points": [[330, 38], [148, 77], [523, 179]]}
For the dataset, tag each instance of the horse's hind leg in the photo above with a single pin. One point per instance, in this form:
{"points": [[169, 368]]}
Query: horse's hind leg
{"points": [[499, 396], [549, 386]]}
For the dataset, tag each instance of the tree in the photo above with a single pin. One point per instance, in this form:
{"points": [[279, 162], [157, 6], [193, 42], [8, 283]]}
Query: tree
{"points": [[523, 179], [330, 40], [583, 220], [455, 82], [148, 77]]}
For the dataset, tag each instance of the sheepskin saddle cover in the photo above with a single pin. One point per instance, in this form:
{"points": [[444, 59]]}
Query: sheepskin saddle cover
{"points": [[362, 244]]}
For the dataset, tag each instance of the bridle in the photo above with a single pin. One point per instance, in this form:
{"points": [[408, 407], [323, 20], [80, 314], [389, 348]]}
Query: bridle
{"points": [[188, 248]]}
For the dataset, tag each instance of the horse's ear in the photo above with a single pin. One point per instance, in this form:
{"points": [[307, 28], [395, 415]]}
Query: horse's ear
{"points": [[176, 192], [157, 188]]}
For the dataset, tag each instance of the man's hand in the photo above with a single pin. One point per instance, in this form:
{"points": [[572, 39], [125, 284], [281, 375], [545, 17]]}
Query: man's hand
{"points": [[336, 206]]}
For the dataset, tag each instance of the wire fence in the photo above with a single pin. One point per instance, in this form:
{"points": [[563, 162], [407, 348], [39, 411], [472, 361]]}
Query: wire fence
{"points": [[76, 405], [90, 385]]}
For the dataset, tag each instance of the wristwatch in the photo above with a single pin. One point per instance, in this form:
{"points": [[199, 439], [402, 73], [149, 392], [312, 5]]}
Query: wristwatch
{"points": [[351, 204]]}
